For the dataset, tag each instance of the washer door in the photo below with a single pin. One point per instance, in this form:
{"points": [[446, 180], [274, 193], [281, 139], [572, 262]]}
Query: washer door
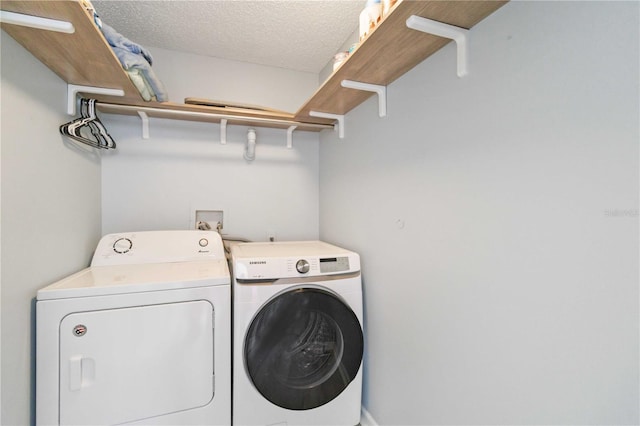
{"points": [[303, 348]]}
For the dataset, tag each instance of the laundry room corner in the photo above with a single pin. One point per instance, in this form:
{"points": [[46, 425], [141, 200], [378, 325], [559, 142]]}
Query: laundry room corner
{"points": [[497, 220], [50, 212], [183, 166], [366, 418]]}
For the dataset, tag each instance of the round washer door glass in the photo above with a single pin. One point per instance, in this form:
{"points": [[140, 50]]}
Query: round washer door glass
{"points": [[303, 348]]}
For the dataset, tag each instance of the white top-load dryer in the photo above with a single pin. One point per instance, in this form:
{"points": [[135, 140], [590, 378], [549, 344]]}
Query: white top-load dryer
{"points": [[142, 336]]}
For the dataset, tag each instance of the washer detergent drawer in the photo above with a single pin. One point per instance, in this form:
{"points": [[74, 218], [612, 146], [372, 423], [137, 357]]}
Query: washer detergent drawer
{"points": [[128, 364]]}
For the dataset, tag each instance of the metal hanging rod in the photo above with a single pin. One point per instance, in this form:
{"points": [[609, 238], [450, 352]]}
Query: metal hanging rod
{"points": [[179, 114], [210, 117]]}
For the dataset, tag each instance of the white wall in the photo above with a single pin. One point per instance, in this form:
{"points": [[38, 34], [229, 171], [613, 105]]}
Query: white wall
{"points": [[158, 183], [50, 212], [497, 220], [188, 75]]}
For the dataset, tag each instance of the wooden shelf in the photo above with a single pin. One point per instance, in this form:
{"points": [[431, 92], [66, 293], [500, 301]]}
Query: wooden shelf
{"points": [[391, 50], [84, 58]]}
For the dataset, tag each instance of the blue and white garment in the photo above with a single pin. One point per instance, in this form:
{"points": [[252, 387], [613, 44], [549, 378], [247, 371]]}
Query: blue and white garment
{"points": [[136, 60]]}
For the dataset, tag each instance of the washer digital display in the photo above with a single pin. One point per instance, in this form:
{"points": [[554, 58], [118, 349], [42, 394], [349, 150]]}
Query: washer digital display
{"points": [[334, 264]]}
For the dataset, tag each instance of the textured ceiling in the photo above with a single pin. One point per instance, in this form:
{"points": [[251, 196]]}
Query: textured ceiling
{"points": [[302, 35]]}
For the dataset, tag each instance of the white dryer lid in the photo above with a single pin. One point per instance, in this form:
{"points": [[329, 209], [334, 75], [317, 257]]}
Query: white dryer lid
{"points": [[122, 279]]}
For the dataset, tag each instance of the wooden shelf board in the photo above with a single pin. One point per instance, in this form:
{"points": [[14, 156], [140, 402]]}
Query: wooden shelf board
{"points": [[391, 50], [82, 58]]}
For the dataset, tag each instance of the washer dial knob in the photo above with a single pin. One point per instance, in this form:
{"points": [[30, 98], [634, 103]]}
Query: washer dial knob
{"points": [[302, 266], [122, 245]]}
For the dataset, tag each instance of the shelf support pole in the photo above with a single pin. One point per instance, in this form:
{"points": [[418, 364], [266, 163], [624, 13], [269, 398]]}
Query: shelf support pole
{"points": [[440, 29], [381, 91], [339, 126], [145, 124], [73, 90], [290, 136], [223, 131], [37, 22]]}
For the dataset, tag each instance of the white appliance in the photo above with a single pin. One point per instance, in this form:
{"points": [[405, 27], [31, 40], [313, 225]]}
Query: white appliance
{"points": [[297, 334], [142, 336]]}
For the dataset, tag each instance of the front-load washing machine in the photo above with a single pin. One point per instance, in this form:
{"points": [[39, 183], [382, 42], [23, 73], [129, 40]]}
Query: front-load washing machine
{"points": [[297, 334], [142, 336]]}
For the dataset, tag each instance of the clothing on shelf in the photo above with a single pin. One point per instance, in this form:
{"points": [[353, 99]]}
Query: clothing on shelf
{"points": [[141, 84], [136, 60]]}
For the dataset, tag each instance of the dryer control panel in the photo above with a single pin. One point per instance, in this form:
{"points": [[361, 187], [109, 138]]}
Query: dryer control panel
{"points": [[158, 247]]}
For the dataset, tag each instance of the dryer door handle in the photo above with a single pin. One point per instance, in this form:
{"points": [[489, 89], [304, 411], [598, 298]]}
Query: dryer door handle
{"points": [[81, 372]]}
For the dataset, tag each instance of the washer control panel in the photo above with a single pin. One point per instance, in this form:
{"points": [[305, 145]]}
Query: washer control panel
{"points": [[266, 261], [158, 247], [321, 265]]}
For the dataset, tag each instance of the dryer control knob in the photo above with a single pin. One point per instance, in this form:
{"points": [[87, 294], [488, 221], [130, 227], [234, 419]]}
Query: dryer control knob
{"points": [[122, 245], [302, 266]]}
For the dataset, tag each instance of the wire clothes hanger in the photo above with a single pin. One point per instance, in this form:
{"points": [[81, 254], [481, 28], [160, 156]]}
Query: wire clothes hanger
{"points": [[88, 120]]}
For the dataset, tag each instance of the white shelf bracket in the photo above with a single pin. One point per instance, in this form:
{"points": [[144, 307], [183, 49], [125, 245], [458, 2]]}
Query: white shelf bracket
{"points": [[73, 90], [290, 136], [339, 126], [223, 131], [440, 29], [145, 124], [30, 21], [381, 91]]}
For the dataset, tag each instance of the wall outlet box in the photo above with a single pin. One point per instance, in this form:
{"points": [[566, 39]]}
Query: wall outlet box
{"points": [[212, 217]]}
